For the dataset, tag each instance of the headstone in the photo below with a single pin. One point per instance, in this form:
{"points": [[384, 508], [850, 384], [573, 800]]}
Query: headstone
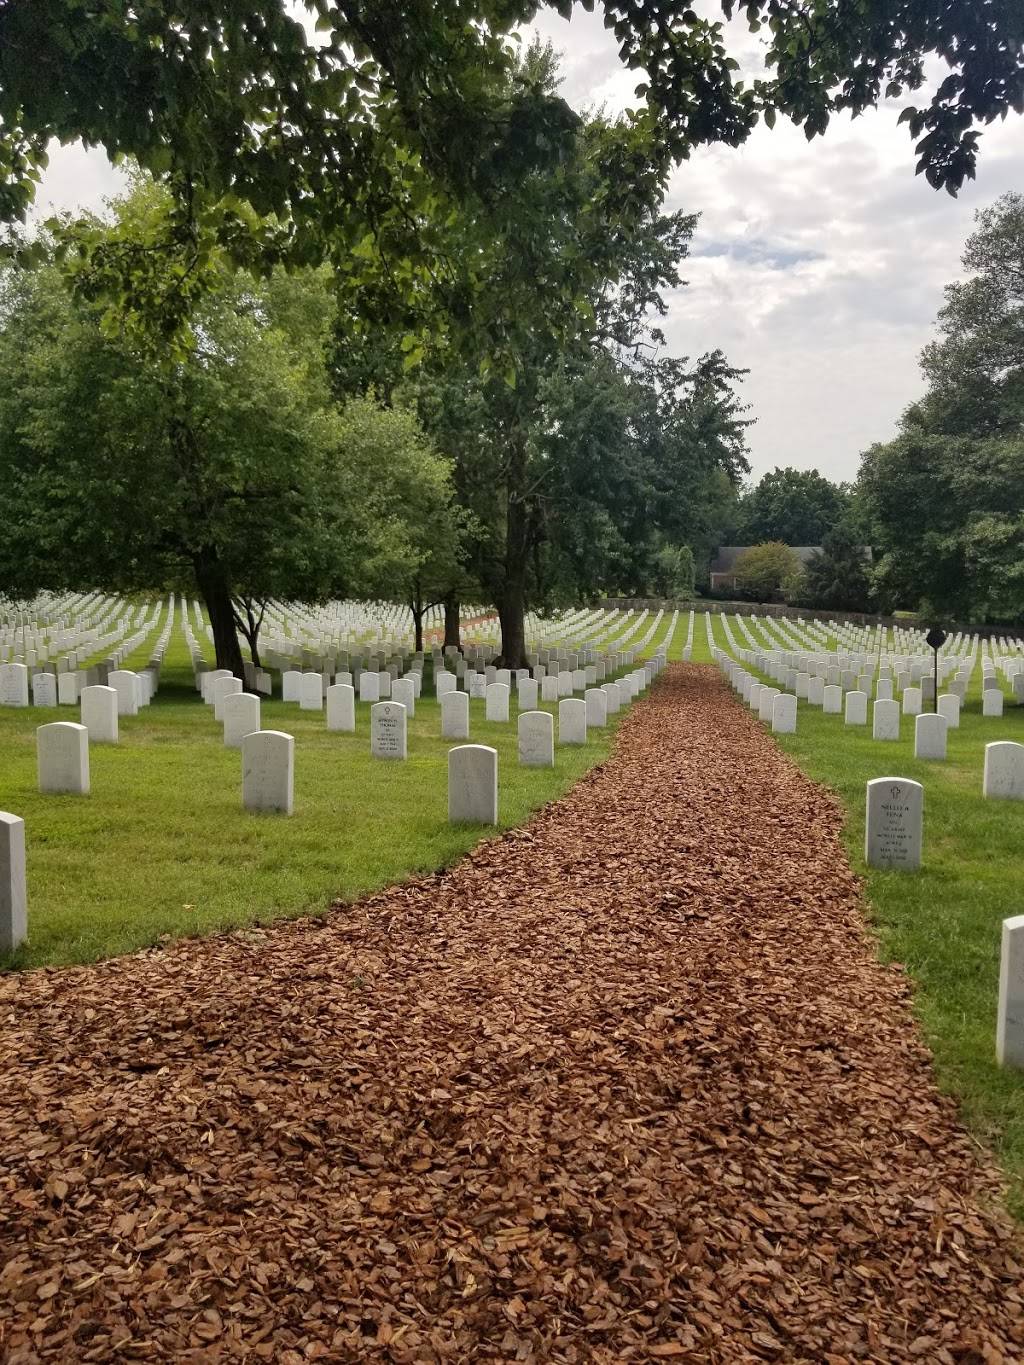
{"points": [[404, 690], [883, 689], [832, 700], [816, 692], [369, 686], [13, 685], [62, 751], [455, 715], [13, 891], [384, 682], [856, 708], [885, 720], [311, 692], [597, 707], [765, 702], [219, 693], [67, 689], [911, 701], [930, 736], [549, 688], [1003, 778], [537, 739], [444, 682], [478, 686], [44, 689], [611, 691], [388, 730], [949, 706], [341, 707], [99, 714], [894, 825], [268, 771], [473, 784], [526, 694], [291, 685], [992, 702], [126, 685], [572, 721], [1010, 1018], [497, 701], [784, 714], [241, 716]]}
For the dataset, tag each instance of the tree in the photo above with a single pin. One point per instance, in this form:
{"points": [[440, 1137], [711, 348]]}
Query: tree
{"points": [[947, 495], [836, 576], [767, 572], [796, 506], [673, 572], [226, 469], [245, 102]]}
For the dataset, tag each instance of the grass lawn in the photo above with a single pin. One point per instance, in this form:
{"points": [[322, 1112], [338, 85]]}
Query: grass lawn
{"points": [[944, 922], [162, 845]]}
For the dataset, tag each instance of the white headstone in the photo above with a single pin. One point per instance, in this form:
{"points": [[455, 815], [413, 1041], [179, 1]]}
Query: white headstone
{"points": [[537, 739], [311, 692], [219, 693], [44, 689], [1010, 1018], [883, 689], [369, 685], [526, 693], [856, 708], [911, 701], [268, 771], [832, 699], [388, 730], [930, 736], [473, 784], [992, 702], [291, 685], [13, 685], [444, 682], [240, 713], [62, 750], [126, 685], [765, 702], [549, 688], [816, 691], [341, 707], [404, 690], [1004, 771], [99, 714], [885, 720], [13, 893], [67, 689], [784, 714], [455, 715], [597, 707], [611, 691], [497, 701], [477, 686], [949, 706], [572, 721], [894, 826]]}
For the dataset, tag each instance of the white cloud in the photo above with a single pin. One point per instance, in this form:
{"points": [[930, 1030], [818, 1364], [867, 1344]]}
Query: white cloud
{"points": [[819, 266]]}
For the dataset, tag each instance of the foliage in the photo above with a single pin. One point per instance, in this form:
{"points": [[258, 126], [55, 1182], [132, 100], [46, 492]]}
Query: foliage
{"points": [[227, 469], [796, 506], [836, 577], [673, 572], [947, 495], [318, 128], [767, 572]]}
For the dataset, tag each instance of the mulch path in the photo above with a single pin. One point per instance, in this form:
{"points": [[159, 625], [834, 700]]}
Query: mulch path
{"points": [[628, 1084]]}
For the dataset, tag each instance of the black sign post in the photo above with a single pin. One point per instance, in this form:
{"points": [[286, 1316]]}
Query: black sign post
{"points": [[936, 638]]}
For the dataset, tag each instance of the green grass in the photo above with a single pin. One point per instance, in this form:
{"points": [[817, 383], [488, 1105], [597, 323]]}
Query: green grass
{"points": [[944, 922], [162, 845]]}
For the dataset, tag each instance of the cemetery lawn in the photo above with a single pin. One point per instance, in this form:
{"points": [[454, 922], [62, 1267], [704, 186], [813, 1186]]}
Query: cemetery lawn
{"points": [[944, 923], [162, 847]]}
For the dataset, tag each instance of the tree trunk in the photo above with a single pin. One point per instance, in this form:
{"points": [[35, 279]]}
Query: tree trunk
{"points": [[452, 637], [213, 586], [416, 607], [511, 596]]}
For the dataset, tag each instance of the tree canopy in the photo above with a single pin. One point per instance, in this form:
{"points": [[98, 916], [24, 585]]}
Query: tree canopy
{"points": [[796, 506], [947, 495], [767, 572]]}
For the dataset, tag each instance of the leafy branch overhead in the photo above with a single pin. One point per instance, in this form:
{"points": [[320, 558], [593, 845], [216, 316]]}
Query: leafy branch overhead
{"points": [[307, 120]]}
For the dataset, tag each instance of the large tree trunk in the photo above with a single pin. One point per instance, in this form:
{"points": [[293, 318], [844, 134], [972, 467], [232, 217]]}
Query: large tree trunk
{"points": [[511, 598], [452, 637], [416, 607], [215, 590]]}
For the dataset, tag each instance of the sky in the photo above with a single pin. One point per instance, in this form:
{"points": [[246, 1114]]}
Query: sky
{"points": [[819, 267]]}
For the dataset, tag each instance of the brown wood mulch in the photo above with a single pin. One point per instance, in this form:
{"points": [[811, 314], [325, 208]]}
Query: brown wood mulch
{"points": [[629, 1084]]}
